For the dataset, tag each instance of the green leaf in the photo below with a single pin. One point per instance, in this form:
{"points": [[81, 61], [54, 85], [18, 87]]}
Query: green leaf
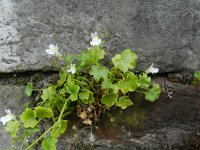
{"points": [[128, 84], [70, 58], [107, 84], [12, 127], [197, 75], [84, 59], [73, 90], [48, 93], [109, 99], [153, 93], [29, 89], [124, 102], [144, 81], [59, 128], [49, 143], [99, 72], [42, 112], [125, 61], [63, 76], [28, 118], [97, 54], [86, 96], [32, 131]]}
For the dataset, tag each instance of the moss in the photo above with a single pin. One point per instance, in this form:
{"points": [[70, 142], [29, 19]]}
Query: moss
{"points": [[132, 118], [135, 118]]}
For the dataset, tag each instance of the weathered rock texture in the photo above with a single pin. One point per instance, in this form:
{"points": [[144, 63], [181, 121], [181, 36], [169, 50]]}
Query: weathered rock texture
{"points": [[169, 123], [165, 32]]}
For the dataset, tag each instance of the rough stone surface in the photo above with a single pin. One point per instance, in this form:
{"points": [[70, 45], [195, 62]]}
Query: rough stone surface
{"points": [[165, 32], [169, 123], [13, 98]]}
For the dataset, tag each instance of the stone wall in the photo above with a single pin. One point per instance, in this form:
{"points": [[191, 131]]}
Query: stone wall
{"points": [[163, 32]]}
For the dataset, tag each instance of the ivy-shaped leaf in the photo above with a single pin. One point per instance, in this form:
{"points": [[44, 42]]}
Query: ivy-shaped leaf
{"points": [[73, 90], [97, 54], [99, 72], [107, 84], [84, 59], [144, 81], [48, 93], [28, 118], [42, 112], [63, 76], [49, 143], [128, 84], [125, 61], [86, 96], [29, 89], [153, 93], [32, 131], [124, 102], [59, 104], [12, 127], [109, 99], [59, 128]]}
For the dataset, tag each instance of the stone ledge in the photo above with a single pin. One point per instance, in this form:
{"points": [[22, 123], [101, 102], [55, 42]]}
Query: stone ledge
{"points": [[168, 123]]}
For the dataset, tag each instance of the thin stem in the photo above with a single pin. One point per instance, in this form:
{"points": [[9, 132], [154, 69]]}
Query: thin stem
{"points": [[80, 82], [41, 136], [62, 111], [23, 143], [88, 82]]}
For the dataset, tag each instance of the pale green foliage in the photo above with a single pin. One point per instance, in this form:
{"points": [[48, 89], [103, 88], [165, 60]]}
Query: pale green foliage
{"points": [[12, 127], [60, 128], [125, 61], [29, 89], [73, 90], [49, 143], [42, 112], [197, 75], [86, 96], [98, 72], [129, 83], [196, 78], [124, 102], [144, 81], [109, 99], [28, 118], [89, 88], [153, 93]]}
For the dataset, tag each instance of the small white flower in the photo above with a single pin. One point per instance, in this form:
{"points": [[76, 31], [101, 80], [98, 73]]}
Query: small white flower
{"points": [[152, 70], [95, 39], [53, 50], [72, 69], [8, 117]]}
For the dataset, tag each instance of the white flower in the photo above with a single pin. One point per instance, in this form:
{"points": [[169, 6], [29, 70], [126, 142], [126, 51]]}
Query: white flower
{"points": [[95, 39], [53, 50], [152, 70], [8, 117], [72, 69]]}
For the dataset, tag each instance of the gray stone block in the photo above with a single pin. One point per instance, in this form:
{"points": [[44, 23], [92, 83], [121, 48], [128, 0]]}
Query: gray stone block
{"points": [[163, 32]]}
